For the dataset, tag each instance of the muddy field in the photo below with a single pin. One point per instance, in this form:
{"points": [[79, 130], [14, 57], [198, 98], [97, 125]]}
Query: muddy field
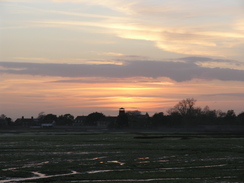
{"points": [[121, 157]]}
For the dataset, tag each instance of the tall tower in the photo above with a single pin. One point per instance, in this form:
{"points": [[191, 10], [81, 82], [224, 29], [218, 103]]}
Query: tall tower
{"points": [[121, 111]]}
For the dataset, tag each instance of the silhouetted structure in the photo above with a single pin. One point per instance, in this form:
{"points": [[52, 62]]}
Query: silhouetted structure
{"points": [[138, 120], [121, 111], [122, 119], [183, 115], [26, 122], [80, 120], [5, 121]]}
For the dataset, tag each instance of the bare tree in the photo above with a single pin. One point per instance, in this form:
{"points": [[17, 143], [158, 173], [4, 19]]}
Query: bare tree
{"points": [[184, 107]]}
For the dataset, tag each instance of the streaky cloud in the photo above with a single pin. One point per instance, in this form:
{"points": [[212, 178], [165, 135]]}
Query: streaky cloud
{"points": [[178, 71], [207, 59], [225, 94]]}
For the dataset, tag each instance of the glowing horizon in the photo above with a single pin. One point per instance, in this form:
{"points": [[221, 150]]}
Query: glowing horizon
{"points": [[80, 56]]}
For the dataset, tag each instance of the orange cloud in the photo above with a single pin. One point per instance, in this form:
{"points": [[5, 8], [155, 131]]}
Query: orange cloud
{"points": [[30, 95]]}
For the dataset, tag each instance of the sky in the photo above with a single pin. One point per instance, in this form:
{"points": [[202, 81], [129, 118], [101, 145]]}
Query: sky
{"points": [[84, 56]]}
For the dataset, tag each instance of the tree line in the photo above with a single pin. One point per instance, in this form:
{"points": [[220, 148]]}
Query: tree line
{"points": [[184, 113]]}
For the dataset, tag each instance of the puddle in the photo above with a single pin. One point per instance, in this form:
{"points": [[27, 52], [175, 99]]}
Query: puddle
{"points": [[98, 171], [43, 176], [116, 162], [69, 153], [88, 145], [156, 179], [219, 159], [38, 176], [96, 158], [190, 167], [7, 169], [120, 163], [209, 166], [143, 158], [144, 162], [27, 166], [38, 164], [131, 180], [162, 161]]}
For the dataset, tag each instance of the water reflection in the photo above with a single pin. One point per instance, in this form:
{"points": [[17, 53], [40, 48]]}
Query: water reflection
{"points": [[38, 176], [96, 158], [118, 162]]}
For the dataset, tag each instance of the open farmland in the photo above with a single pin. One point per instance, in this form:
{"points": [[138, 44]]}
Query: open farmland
{"points": [[121, 157]]}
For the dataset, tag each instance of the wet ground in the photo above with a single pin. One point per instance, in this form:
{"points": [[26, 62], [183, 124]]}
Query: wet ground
{"points": [[121, 157]]}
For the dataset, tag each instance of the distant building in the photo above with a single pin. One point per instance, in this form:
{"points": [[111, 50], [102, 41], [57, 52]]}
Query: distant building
{"points": [[3, 122], [104, 123], [124, 119], [121, 111], [80, 121], [138, 120], [27, 122], [110, 121]]}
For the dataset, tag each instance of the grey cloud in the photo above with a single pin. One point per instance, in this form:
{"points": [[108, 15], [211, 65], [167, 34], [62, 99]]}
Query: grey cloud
{"points": [[196, 59], [206, 59], [177, 71], [226, 94]]}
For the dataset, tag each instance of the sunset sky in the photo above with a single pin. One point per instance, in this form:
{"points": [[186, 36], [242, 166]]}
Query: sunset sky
{"points": [[83, 56]]}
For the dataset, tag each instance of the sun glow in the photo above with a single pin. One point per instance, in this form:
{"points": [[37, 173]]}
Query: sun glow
{"points": [[81, 56]]}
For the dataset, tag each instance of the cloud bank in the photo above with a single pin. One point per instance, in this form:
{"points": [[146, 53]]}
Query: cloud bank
{"points": [[203, 27], [184, 69]]}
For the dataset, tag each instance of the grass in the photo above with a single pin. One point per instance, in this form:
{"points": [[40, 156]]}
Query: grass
{"points": [[119, 157]]}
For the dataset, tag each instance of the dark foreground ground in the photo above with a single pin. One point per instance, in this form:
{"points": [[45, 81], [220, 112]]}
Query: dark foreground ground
{"points": [[40, 156]]}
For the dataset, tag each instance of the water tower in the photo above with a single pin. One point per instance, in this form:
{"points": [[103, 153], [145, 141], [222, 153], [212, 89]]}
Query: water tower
{"points": [[121, 111]]}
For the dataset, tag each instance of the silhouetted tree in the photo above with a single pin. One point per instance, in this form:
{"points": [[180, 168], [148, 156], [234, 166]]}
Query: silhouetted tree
{"points": [[230, 117], [230, 114], [240, 118], [49, 118], [175, 119], [122, 121], [3, 116], [158, 119], [220, 114], [9, 120], [92, 118], [5, 121], [185, 108], [209, 113], [66, 119], [208, 116], [41, 116]]}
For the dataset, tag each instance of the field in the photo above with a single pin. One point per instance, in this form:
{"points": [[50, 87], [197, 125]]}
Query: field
{"points": [[121, 157]]}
